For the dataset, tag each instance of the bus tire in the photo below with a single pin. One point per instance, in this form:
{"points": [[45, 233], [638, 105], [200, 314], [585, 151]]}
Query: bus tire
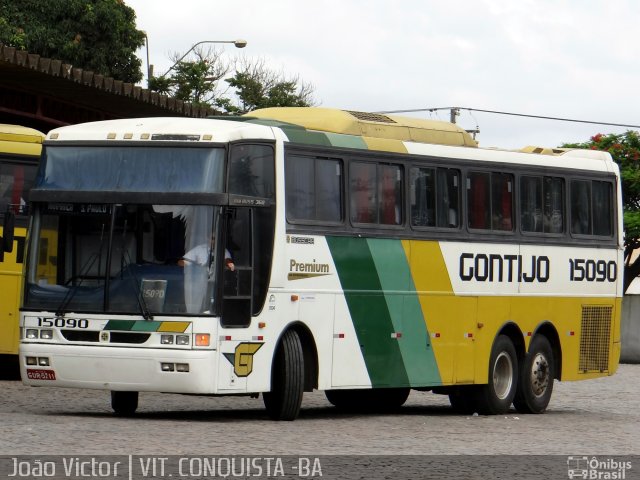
{"points": [[124, 404], [343, 399], [287, 379], [463, 400], [497, 395], [535, 384], [387, 399], [368, 400]]}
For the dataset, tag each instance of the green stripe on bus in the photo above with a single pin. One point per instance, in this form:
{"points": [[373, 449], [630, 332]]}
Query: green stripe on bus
{"points": [[146, 326], [125, 325], [406, 313], [296, 135], [346, 141], [369, 311]]}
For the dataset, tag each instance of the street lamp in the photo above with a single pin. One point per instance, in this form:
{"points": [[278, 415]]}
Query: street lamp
{"points": [[237, 43]]}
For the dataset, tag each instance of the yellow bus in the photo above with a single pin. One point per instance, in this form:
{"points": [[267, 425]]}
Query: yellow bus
{"points": [[20, 149], [372, 255]]}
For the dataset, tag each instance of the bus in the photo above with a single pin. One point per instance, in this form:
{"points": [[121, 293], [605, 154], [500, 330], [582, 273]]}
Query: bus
{"points": [[372, 255], [20, 149]]}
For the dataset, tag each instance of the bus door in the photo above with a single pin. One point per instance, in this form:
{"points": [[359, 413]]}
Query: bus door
{"points": [[247, 234]]}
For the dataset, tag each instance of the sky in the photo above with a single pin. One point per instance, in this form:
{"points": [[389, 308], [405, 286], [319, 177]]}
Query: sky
{"points": [[575, 59]]}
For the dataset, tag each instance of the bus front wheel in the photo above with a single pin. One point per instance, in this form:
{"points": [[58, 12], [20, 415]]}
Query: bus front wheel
{"points": [[536, 378], [124, 404], [496, 396], [287, 379]]}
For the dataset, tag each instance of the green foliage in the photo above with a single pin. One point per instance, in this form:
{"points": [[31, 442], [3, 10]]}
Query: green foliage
{"points": [[257, 86], [251, 86], [625, 150], [97, 35]]}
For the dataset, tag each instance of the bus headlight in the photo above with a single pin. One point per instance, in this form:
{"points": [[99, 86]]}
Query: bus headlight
{"points": [[166, 339], [46, 334], [182, 339], [31, 333]]}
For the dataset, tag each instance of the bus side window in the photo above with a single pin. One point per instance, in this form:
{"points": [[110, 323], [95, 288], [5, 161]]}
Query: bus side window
{"points": [[363, 192], [602, 208], [553, 192], [478, 201], [251, 171], [581, 207], [531, 204], [16, 179]]}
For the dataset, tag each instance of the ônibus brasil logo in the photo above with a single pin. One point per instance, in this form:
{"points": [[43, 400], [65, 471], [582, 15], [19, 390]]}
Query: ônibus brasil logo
{"points": [[594, 468]]}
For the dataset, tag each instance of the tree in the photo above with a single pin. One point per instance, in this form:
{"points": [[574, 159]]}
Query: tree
{"points": [[196, 81], [259, 87], [625, 150], [251, 86], [97, 35]]}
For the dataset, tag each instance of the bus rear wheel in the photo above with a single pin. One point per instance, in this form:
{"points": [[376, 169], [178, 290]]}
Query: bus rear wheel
{"points": [[497, 395], [287, 379], [124, 404], [536, 378]]}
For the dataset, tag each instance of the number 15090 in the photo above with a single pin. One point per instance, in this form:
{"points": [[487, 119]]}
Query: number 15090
{"points": [[588, 270], [60, 322]]}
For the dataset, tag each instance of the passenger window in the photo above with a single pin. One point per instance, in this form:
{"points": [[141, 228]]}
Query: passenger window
{"points": [[314, 189], [434, 197], [592, 208], [376, 193], [542, 204], [490, 201]]}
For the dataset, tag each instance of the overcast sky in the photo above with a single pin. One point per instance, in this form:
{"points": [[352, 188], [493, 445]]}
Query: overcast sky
{"points": [[571, 59]]}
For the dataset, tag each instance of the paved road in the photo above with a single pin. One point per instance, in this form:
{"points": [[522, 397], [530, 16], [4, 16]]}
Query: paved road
{"points": [[597, 417]]}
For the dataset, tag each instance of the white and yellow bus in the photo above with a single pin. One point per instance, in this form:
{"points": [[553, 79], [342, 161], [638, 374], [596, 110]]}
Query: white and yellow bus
{"points": [[20, 149], [371, 255]]}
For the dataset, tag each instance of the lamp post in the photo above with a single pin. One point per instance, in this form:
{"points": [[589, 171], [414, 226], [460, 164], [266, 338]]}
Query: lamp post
{"points": [[237, 43]]}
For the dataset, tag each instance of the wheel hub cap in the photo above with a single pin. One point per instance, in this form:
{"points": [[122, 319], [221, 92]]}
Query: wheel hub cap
{"points": [[539, 375], [503, 375]]}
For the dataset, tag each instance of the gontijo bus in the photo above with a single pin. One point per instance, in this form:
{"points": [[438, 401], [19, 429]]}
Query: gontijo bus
{"points": [[20, 149], [373, 254]]}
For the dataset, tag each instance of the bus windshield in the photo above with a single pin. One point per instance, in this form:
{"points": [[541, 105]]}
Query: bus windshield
{"points": [[133, 169], [123, 258]]}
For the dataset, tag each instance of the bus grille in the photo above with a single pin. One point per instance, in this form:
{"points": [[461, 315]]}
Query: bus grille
{"points": [[114, 337], [595, 337]]}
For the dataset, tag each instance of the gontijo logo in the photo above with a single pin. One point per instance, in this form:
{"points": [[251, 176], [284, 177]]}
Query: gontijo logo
{"points": [[242, 358]]}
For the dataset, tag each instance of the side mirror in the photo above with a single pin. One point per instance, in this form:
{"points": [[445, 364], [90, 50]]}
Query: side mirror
{"points": [[8, 228]]}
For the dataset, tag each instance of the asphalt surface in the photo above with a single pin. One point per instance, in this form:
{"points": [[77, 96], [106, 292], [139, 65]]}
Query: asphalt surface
{"points": [[595, 417]]}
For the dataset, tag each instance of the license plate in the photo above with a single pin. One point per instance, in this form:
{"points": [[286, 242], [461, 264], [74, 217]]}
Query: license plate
{"points": [[40, 374]]}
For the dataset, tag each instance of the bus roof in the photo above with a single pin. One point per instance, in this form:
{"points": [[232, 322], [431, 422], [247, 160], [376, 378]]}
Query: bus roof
{"points": [[16, 133], [19, 140], [261, 124], [364, 124]]}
